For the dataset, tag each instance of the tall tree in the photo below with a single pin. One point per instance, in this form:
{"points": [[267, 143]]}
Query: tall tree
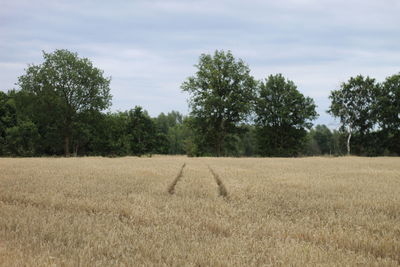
{"points": [[388, 111], [282, 116], [111, 138], [8, 118], [68, 83], [221, 93], [169, 133], [141, 129], [353, 104], [18, 135]]}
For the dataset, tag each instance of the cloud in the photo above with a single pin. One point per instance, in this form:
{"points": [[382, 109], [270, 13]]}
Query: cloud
{"points": [[149, 47]]}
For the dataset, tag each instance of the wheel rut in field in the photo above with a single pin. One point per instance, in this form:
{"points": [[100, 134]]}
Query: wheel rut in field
{"points": [[223, 192], [171, 187]]}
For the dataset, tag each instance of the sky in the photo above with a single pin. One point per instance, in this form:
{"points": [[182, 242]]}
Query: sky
{"points": [[149, 48]]}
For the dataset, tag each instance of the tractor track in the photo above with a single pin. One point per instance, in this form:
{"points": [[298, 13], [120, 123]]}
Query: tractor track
{"points": [[223, 192], [171, 187]]}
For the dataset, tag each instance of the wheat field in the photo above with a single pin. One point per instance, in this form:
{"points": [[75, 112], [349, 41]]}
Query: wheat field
{"points": [[179, 211]]}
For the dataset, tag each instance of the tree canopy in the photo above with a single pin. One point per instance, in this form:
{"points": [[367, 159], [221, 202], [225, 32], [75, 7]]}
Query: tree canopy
{"points": [[66, 85], [60, 106], [221, 94], [354, 104], [387, 111], [282, 116]]}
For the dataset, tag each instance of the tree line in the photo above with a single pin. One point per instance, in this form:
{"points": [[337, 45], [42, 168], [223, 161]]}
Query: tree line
{"points": [[59, 107]]}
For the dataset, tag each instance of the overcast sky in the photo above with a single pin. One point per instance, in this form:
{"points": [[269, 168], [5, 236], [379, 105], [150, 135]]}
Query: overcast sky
{"points": [[149, 47]]}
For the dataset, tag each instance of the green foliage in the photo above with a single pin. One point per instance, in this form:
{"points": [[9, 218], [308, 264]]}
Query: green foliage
{"points": [[109, 135], [22, 139], [59, 108], [388, 104], [387, 111], [45, 115], [170, 133], [8, 112], [221, 94], [311, 147], [354, 105], [323, 136], [248, 141], [324, 139], [339, 142], [176, 137], [8, 118], [141, 130], [64, 86], [282, 116]]}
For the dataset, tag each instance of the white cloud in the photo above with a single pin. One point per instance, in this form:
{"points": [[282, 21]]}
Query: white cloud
{"points": [[149, 47]]}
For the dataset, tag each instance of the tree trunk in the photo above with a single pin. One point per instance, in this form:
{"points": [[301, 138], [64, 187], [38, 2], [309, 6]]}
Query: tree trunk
{"points": [[66, 145], [348, 143]]}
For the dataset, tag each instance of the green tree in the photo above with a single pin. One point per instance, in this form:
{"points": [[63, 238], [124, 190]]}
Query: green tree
{"points": [[176, 139], [112, 135], [311, 147], [221, 94], [45, 115], [64, 86], [339, 142], [388, 111], [8, 118], [248, 141], [177, 133], [282, 116], [89, 127], [22, 139], [18, 135], [353, 104], [323, 137], [169, 133], [194, 144], [142, 132]]}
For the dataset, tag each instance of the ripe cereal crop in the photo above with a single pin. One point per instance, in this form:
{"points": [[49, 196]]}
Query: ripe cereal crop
{"points": [[179, 211]]}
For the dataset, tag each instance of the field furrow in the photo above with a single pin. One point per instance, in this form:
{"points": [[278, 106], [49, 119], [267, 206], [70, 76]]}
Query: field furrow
{"points": [[171, 187]]}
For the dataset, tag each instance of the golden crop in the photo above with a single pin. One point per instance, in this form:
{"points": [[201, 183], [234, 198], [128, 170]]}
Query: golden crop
{"points": [[200, 211]]}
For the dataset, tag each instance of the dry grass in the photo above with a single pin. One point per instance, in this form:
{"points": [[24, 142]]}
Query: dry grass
{"points": [[280, 212]]}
